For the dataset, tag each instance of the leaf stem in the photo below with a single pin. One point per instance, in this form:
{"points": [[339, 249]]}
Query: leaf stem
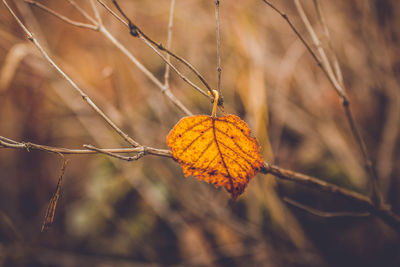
{"points": [[216, 97]]}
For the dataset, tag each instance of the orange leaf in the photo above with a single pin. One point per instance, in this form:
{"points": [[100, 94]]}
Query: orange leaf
{"points": [[220, 151]]}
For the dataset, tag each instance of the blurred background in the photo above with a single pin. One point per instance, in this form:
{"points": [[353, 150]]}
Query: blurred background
{"points": [[146, 213]]}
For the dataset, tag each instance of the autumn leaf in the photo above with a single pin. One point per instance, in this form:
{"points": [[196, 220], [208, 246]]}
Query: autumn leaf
{"points": [[217, 150]]}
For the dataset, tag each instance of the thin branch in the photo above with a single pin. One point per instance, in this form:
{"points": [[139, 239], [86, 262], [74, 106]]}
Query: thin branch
{"points": [[83, 12], [376, 195], [136, 32], [73, 84], [96, 12], [111, 154], [62, 17], [311, 182], [218, 37], [99, 27], [325, 214], [183, 77], [322, 20], [315, 183], [8, 143], [324, 59], [169, 41]]}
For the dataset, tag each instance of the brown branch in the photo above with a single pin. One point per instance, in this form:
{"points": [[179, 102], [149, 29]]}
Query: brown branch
{"points": [[218, 37], [311, 182], [100, 27], [325, 214], [324, 65], [111, 154], [315, 183], [169, 41], [137, 32], [62, 17], [8, 143], [85, 97]]}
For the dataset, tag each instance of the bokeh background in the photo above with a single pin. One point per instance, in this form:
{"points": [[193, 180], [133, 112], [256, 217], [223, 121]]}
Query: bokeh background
{"points": [[145, 213]]}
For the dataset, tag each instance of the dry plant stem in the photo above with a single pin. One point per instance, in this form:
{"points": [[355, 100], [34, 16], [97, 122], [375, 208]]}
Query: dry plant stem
{"points": [[83, 12], [51, 209], [8, 143], [324, 59], [166, 88], [309, 181], [99, 27], [299, 178], [183, 77], [111, 154], [169, 41], [73, 84], [150, 75], [384, 213], [96, 12], [324, 214], [336, 66], [136, 32], [218, 37], [65, 19], [376, 197]]}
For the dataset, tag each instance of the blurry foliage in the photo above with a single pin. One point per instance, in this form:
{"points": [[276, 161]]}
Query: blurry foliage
{"points": [[145, 212]]}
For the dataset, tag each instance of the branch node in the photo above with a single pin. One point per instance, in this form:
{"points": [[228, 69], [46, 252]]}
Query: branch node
{"points": [[133, 29], [28, 146]]}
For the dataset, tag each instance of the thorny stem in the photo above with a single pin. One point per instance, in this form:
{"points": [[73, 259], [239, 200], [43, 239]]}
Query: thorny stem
{"points": [[324, 65]]}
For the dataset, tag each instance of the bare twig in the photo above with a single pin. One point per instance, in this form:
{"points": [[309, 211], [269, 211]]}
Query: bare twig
{"points": [[169, 41], [73, 84], [325, 214], [82, 11], [8, 143], [136, 32], [327, 70], [315, 183], [62, 17], [112, 154], [335, 61], [312, 182], [100, 27], [283, 174], [96, 12], [218, 37]]}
